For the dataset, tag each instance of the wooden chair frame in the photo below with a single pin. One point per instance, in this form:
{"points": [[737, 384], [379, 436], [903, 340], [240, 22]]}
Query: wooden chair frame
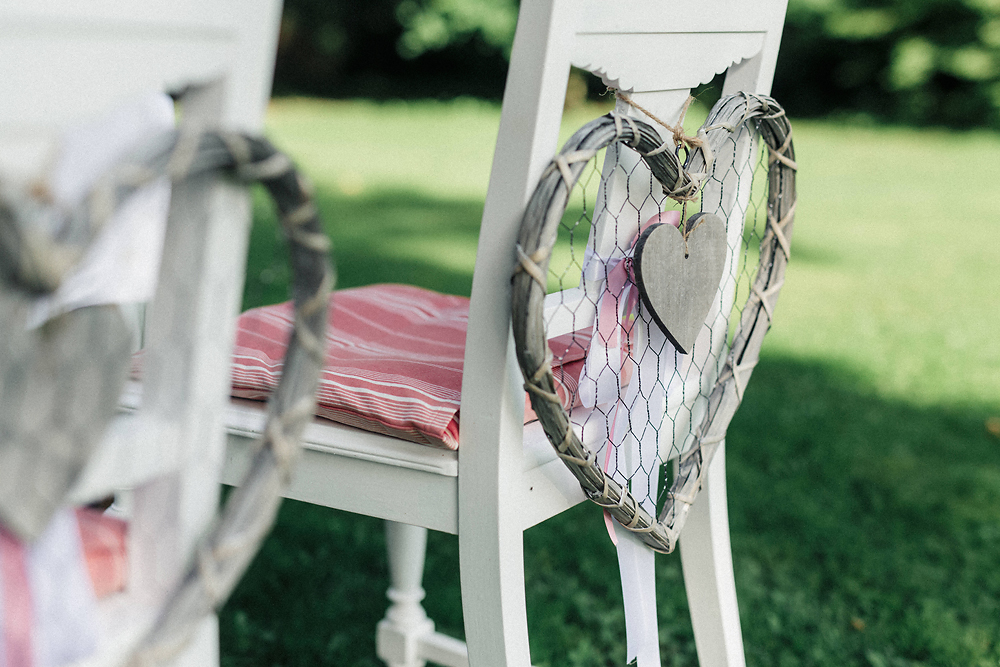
{"points": [[505, 476]]}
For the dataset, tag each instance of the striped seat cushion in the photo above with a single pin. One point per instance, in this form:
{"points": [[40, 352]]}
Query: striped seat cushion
{"points": [[393, 365]]}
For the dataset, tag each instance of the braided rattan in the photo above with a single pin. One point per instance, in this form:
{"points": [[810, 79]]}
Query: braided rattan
{"points": [[31, 263], [537, 238], [225, 552]]}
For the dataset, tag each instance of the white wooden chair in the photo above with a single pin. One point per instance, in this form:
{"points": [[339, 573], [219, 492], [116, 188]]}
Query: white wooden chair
{"points": [[63, 62], [505, 477]]}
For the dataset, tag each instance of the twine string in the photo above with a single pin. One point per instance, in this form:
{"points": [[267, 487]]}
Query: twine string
{"points": [[681, 192]]}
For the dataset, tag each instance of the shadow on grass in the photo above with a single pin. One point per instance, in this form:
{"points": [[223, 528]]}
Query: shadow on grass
{"points": [[865, 532]]}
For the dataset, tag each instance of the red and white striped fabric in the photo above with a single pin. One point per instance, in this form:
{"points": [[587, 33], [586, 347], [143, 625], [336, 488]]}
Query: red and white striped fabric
{"points": [[394, 360]]}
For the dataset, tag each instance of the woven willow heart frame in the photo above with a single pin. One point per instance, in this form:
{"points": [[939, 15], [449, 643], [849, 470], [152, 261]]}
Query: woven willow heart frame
{"points": [[234, 537], [237, 532], [766, 119]]}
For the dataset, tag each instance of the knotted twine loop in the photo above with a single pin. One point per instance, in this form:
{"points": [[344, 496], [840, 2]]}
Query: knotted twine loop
{"points": [[676, 130], [536, 238], [692, 191]]}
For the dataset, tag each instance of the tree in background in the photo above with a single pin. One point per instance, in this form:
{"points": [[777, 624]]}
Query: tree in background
{"points": [[910, 61], [395, 48], [435, 25]]}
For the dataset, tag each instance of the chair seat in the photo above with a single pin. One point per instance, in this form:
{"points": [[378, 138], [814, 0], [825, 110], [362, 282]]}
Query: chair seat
{"points": [[339, 465], [341, 459], [384, 340], [394, 360]]}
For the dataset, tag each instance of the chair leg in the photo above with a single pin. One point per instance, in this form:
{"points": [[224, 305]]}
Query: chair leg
{"points": [[706, 557], [493, 603], [406, 636]]}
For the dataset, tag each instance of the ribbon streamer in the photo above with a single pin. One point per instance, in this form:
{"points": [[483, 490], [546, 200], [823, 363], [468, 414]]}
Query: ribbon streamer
{"points": [[620, 356]]}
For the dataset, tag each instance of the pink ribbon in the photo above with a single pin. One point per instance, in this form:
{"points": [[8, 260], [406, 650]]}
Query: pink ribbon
{"points": [[16, 614], [615, 327]]}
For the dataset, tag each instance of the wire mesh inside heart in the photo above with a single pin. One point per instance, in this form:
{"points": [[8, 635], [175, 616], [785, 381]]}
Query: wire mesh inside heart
{"points": [[573, 305]]}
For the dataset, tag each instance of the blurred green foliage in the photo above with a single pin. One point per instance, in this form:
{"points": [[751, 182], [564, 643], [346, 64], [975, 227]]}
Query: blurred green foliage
{"points": [[387, 49], [433, 25], [918, 62]]}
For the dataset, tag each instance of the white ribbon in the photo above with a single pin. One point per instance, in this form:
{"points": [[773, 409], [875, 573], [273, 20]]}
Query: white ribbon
{"points": [[622, 334], [640, 464]]}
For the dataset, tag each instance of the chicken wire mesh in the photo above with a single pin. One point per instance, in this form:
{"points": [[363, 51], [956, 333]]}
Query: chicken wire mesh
{"points": [[623, 400]]}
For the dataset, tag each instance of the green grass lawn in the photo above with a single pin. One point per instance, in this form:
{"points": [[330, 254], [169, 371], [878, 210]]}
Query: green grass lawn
{"points": [[864, 480]]}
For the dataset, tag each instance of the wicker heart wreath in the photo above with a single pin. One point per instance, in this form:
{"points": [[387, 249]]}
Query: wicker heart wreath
{"points": [[762, 122], [30, 265]]}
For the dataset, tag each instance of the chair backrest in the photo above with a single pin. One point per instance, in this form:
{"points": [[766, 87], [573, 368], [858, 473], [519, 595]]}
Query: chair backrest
{"points": [[656, 52], [63, 62]]}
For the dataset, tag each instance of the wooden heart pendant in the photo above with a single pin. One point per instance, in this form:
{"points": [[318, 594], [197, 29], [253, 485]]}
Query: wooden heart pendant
{"points": [[677, 280], [59, 387]]}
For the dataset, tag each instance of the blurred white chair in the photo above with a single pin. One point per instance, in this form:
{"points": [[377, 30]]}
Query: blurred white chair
{"points": [[505, 477], [62, 63]]}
